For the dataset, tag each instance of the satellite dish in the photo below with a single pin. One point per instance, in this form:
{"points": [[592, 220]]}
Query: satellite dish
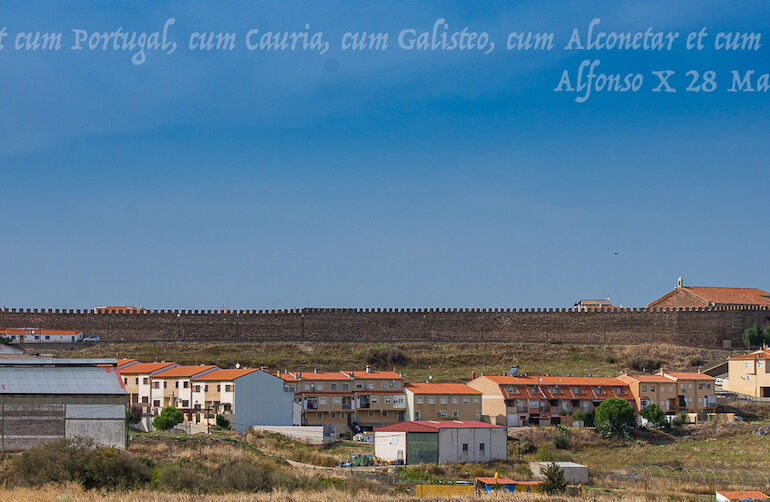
{"points": [[512, 371], [237, 365]]}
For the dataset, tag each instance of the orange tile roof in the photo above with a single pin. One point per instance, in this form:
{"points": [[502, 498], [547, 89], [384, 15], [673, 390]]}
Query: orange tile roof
{"points": [[759, 354], [183, 371], [375, 375], [560, 387], [731, 296], [38, 331], [440, 388], [142, 368], [685, 375], [291, 376], [124, 361], [650, 378], [225, 374], [743, 495]]}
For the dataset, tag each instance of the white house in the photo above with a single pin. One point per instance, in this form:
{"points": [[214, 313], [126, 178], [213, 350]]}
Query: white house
{"points": [[36, 335]]}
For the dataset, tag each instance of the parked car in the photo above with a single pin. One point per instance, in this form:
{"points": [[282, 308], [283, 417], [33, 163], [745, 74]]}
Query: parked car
{"points": [[91, 339]]}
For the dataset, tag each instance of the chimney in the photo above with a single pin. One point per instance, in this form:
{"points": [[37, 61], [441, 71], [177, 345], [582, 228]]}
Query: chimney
{"points": [[679, 283], [368, 369], [473, 375]]}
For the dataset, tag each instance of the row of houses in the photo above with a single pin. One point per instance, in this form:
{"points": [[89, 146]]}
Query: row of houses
{"points": [[355, 401]]}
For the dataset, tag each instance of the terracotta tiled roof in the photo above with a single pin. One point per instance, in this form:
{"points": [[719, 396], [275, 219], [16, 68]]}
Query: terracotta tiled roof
{"points": [[683, 375], [743, 495], [559, 387], [731, 296], [224, 375], [292, 376], [650, 378], [759, 354], [183, 371], [440, 388], [375, 375], [37, 331], [144, 368]]}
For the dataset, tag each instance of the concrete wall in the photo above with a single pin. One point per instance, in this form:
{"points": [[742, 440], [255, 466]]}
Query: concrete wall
{"points": [[451, 442], [313, 434], [387, 444], [696, 327], [260, 399]]}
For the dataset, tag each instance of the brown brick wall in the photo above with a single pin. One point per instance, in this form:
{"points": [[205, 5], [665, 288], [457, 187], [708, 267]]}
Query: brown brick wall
{"points": [[697, 327]]}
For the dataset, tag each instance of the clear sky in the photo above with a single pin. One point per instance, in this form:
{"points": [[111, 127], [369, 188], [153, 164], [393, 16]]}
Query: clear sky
{"points": [[402, 178]]}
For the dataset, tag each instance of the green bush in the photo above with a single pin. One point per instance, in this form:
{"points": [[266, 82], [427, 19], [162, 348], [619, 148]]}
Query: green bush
{"points": [[609, 358], [241, 476], [560, 441], [222, 422], [656, 416], [695, 361], [185, 475], [523, 470], [646, 365], [76, 460], [553, 480], [167, 419], [614, 418], [386, 357], [583, 416]]}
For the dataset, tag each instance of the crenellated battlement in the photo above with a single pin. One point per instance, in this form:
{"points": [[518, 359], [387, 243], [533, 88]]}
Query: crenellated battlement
{"points": [[707, 326]]}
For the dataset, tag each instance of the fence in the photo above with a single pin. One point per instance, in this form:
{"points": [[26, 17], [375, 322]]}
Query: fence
{"points": [[639, 475]]}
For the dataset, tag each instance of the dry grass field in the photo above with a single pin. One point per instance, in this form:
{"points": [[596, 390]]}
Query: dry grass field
{"points": [[418, 361]]}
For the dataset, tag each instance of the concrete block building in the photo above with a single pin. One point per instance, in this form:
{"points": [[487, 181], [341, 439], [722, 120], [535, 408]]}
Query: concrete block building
{"points": [[440, 442]]}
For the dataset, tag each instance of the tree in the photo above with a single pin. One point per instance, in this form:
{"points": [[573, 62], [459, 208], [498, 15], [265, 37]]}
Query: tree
{"points": [[222, 422], [614, 417], [656, 416], [553, 480], [754, 336], [167, 419]]}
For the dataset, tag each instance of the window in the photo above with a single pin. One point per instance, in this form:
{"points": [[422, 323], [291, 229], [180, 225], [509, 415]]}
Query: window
{"points": [[196, 388], [165, 385], [700, 386], [333, 414], [206, 388], [466, 400], [418, 399], [465, 446], [229, 388], [336, 401], [319, 386], [156, 385], [482, 446], [681, 388], [644, 388], [708, 385], [384, 385], [307, 386], [185, 384], [476, 400], [359, 385], [176, 384], [345, 386], [371, 413], [185, 403], [219, 387], [748, 378], [145, 380], [689, 385], [333, 386], [455, 414], [652, 388], [388, 399], [760, 364], [397, 385], [322, 401], [442, 399], [370, 386], [137, 381], [156, 403], [746, 364], [145, 399], [47, 337], [375, 399], [125, 381], [455, 400], [416, 414], [442, 413], [384, 413], [431, 400], [318, 414]]}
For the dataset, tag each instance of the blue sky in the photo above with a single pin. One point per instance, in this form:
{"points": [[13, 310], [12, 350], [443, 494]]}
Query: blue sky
{"points": [[272, 180]]}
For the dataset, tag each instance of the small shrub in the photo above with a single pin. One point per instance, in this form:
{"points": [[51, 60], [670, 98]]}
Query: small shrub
{"points": [[184, 475], [523, 470], [610, 359], [386, 357], [222, 422], [136, 414], [695, 361], [647, 365], [553, 480], [583, 416], [560, 441], [241, 476], [167, 419], [545, 453]]}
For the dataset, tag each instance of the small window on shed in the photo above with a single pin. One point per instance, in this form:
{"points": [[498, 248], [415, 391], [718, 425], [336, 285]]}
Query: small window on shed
{"points": [[465, 446], [482, 446]]}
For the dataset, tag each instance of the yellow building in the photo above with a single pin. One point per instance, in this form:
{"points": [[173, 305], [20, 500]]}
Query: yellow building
{"points": [[674, 392], [173, 387], [749, 374], [346, 401], [137, 378], [442, 401]]}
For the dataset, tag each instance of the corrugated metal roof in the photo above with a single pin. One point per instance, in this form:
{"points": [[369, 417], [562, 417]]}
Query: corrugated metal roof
{"points": [[60, 362], [60, 380]]}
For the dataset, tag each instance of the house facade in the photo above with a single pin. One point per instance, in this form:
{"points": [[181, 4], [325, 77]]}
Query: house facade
{"points": [[173, 387], [137, 377], [674, 392], [442, 401], [748, 374], [348, 401], [517, 401], [37, 335]]}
